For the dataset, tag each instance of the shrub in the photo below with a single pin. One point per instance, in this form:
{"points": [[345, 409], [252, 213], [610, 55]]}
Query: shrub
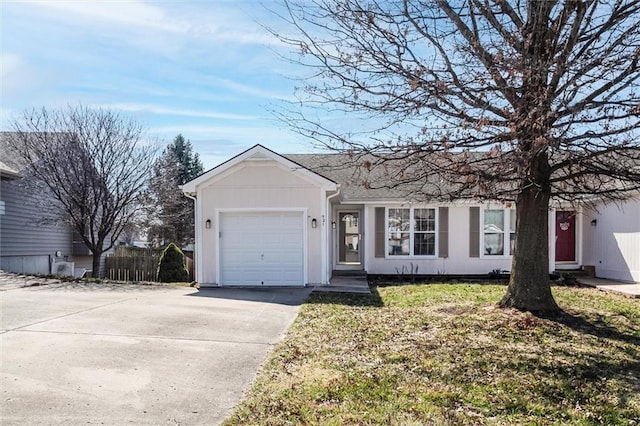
{"points": [[172, 267]]}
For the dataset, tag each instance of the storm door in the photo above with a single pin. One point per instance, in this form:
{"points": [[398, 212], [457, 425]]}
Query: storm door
{"points": [[349, 238]]}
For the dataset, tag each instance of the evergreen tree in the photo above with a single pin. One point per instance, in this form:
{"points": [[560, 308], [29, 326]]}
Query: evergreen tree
{"points": [[172, 267], [170, 213]]}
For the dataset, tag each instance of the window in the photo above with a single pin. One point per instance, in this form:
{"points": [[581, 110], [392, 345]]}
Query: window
{"points": [[424, 239], [411, 232], [399, 232], [499, 232]]}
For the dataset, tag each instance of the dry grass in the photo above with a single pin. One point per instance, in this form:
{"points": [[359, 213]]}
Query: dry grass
{"points": [[444, 354]]}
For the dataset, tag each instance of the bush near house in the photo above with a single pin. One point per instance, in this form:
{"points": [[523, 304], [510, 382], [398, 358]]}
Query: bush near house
{"points": [[172, 266]]}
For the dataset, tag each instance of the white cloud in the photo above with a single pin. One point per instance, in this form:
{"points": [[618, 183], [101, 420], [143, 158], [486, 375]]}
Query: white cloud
{"points": [[11, 64], [172, 64], [18, 76], [252, 135], [126, 13], [250, 90], [160, 110], [215, 20]]}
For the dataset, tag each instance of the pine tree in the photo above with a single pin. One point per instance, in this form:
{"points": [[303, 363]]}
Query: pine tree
{"points": [[170, 213]]}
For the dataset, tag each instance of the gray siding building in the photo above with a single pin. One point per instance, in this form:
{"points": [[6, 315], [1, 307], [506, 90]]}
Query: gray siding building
{"points": [[31, 238]]}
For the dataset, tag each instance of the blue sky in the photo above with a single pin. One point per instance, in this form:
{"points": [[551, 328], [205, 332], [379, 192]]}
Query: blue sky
{"points": [[205, 69]]}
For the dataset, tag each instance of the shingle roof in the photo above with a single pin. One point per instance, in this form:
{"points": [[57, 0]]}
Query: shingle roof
{"points": [[366, 177], [358, 183], [11, 165]]}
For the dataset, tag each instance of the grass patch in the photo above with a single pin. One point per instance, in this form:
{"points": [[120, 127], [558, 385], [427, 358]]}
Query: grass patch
{"points": [[445, 354]]}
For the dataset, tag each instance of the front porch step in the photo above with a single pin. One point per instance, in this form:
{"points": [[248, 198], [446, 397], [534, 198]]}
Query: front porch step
{"points": [[574, 272], [348, 273]]}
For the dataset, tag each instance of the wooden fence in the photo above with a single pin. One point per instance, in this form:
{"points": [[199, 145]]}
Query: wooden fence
{"points": [[137, 264]]}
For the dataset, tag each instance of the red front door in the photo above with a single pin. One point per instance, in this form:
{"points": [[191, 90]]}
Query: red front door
{"points": [[565, 236]]}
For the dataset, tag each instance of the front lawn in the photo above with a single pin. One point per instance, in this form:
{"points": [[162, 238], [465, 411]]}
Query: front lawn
{"points": [[445, 354]]}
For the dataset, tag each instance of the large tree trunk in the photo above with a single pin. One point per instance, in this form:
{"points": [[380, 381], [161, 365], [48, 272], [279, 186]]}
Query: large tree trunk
{"points": [[529, 287]]}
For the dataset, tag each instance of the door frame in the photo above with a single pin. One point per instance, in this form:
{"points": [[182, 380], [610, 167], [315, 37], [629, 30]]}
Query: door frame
{"points": [[348, 266]]}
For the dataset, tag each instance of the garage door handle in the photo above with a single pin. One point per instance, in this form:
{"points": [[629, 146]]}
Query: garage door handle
{"points": [[262, 257]]}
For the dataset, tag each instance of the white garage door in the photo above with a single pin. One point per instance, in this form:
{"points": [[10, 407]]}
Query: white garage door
{"points": [[261, 248]]}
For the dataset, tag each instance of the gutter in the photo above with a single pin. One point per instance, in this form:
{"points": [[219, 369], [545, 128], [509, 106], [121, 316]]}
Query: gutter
{"points": [[189, 196], [334, 195], [197, 248]]}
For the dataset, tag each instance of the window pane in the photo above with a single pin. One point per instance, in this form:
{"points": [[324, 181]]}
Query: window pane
{"points": [[398, 244], [425, 220], [424, 244], [493, 220], [350, 222], [512, 229], [494, 244], [512, 220], [398, 220], [512, 243]]}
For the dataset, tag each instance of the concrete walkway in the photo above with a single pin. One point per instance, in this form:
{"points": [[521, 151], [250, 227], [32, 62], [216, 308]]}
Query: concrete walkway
{"points": [[345, 284], [629, 289]]}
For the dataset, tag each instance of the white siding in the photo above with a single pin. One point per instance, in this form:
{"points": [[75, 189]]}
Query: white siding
{"points": [[258, 186], [458, 261], [613, 245]]}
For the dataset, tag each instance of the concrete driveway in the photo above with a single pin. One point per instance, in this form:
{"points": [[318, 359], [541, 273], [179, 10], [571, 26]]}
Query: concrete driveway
{"points": [[87, 354]]}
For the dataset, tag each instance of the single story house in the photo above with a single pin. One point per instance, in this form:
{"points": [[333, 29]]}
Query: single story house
{"points": [[266, 219]]}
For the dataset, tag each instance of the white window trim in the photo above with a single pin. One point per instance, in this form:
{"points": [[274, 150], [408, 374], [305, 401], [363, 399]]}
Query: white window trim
{"points": [[506, 233], [411, 233]]}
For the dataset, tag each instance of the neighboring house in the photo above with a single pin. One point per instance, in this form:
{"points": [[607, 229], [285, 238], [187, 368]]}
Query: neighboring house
{"points": [[268, 219], [30, 241]]}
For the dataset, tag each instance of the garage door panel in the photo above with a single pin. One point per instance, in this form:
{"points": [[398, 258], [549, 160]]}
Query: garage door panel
{"points": [[262, 248]]}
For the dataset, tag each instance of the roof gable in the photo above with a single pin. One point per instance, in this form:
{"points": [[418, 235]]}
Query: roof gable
{"points": [[259, 153]]}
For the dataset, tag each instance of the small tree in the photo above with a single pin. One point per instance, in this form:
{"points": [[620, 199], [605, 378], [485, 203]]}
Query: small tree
{"points": [[95, 165], [172, 267]]}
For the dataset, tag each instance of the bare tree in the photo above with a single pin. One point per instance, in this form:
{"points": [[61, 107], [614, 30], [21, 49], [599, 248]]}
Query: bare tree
{"points": [[94, 163], [527, 101]]}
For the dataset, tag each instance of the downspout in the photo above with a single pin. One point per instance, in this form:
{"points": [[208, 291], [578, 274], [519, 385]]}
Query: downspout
{"points": [[197, 239], [329, 212]]}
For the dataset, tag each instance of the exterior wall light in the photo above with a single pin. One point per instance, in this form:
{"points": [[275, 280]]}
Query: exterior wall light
{"points": [[333, 224], [314, 223], [594, 222], [207, 224]]}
